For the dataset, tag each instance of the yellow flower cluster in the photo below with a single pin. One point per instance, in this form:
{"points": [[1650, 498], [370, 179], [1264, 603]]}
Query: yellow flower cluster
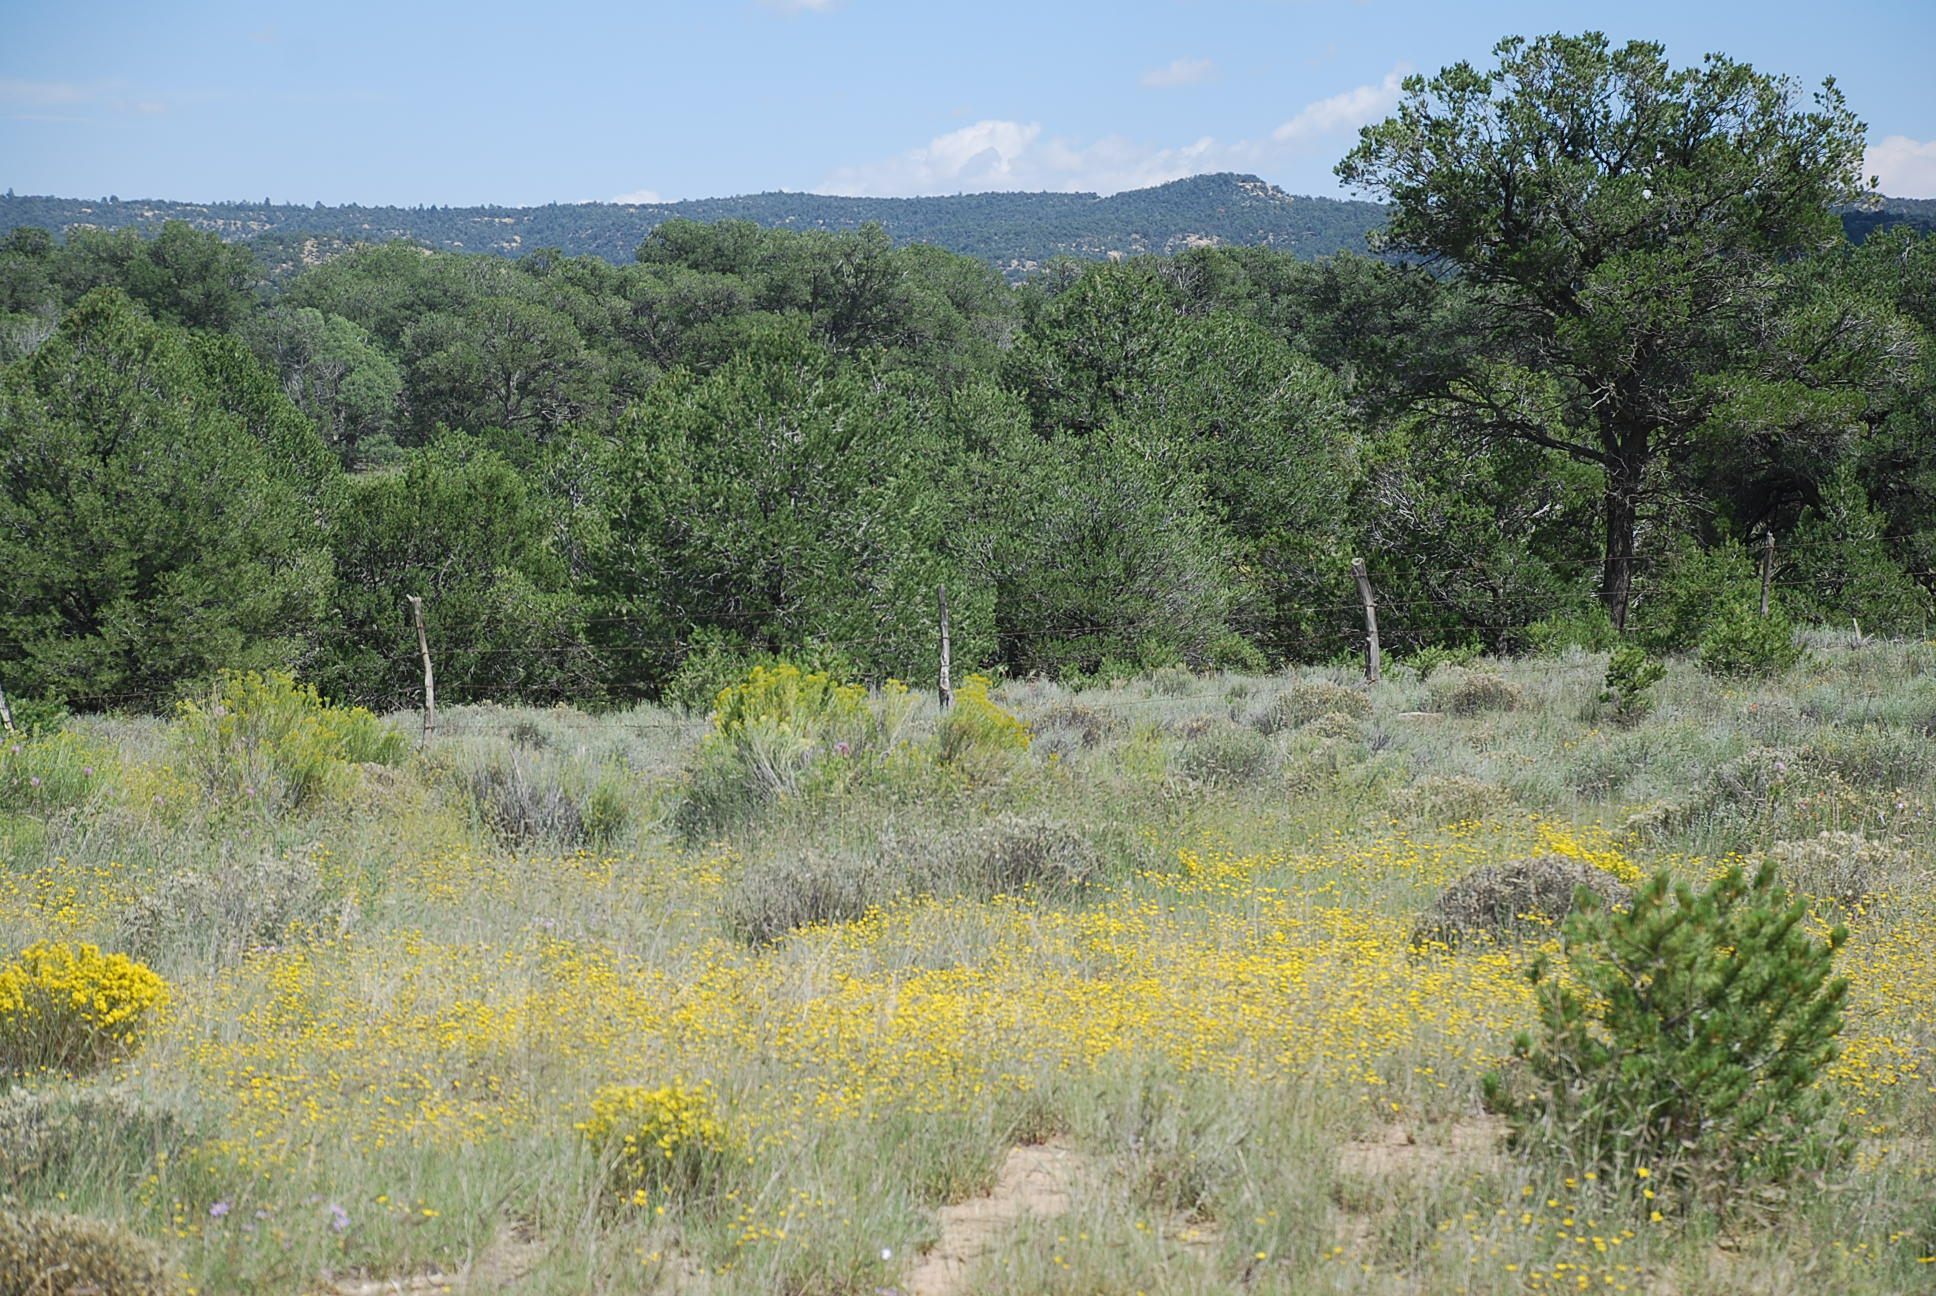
{"points": [[977, 731], [787, 698], [72, 1008], [658, 1140]]}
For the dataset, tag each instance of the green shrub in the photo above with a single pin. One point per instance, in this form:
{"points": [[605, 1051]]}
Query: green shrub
{"points": [[1675, 601], [719, 661], [1432, 656], [264, 740], [46, 772], [1687, 1044], [1631, 675], [1587, 630], [1742, 645], [36, 717], [71, 1255]]}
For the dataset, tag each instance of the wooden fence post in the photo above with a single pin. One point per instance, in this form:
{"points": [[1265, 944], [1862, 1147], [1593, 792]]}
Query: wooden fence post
{"points": [[1767, 570], [947, 684], [430, 679], [1371, 619], [6, 712]]}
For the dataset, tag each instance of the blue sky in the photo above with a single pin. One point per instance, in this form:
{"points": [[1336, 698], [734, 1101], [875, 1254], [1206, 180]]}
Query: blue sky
{"points": [[433, 103]]}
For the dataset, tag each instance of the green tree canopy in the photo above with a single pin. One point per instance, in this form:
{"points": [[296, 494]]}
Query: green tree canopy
{"points": [[160, 516], [784, 499], [1621, 220]]}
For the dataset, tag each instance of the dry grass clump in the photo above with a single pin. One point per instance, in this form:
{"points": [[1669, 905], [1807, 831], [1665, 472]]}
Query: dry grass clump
{"points": [[1468, 692], [228, 908], [1171, 681], [1310, 700], [788, 889], [50, 1135], [1844, 866], [70, 1255], [1517, 899], [1073, 725], [1448, 799], [525, 802], [1227, 755]]}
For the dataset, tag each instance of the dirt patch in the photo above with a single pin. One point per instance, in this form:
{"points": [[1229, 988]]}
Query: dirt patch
{"points": [[1398, 1150], [1033, 1181], [1398, 1155], [512, 1254]]}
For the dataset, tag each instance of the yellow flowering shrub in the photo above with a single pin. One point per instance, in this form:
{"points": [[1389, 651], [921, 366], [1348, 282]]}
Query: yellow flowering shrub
{"points": [[975, 734], [67, 1007], [781, 730], [265, 740], [664, 1142]]}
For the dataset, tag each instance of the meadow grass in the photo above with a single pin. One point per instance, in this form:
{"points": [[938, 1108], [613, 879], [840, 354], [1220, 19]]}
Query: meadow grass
{"points": [[1169, 939]]}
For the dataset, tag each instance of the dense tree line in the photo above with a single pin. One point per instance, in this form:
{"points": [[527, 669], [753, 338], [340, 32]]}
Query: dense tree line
{"points": [[1619, 351]]}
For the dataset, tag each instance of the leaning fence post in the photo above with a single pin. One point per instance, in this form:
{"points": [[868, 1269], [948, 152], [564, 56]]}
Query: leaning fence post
{"points": [[1371, 619], [1767, 570], [430, 679], [947, 689]]}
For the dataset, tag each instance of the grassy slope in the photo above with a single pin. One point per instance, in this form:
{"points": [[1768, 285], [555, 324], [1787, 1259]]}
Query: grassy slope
{"points": [[386, 1014]]}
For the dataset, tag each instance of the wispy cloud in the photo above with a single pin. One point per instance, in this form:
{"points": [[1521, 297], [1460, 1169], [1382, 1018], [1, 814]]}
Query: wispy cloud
{"points": [[1346, 111], [114, 96], [45, 94], [799, 6], [639, 197], [1000, 154], [1179, 72], [1903, 167]]}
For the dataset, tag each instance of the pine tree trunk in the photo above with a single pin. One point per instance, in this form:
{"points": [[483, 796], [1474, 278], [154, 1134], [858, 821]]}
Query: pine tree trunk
{"points": [[1622, 512]]}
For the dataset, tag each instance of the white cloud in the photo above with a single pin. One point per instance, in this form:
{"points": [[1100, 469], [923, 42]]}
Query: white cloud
{"points": [[1180, 72], [800, 6], [1349, 110], [638, 197], [991, 155], [995, 155], [1903, 167]]}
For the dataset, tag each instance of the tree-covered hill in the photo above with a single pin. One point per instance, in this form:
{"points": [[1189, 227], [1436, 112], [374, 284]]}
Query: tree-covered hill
{"points": [[1013, 231]]}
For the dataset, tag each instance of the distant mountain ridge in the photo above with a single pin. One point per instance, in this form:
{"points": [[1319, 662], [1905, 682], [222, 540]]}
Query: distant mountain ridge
{"points": [[1015, 232]]}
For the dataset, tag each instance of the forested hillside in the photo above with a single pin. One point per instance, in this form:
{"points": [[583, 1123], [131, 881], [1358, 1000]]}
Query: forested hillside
{"points": [[609, 480], [1014, 232]]}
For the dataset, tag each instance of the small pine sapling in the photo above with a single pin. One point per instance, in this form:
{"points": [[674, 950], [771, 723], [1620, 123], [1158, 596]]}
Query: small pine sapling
{"points": [[1683, 1050]]}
